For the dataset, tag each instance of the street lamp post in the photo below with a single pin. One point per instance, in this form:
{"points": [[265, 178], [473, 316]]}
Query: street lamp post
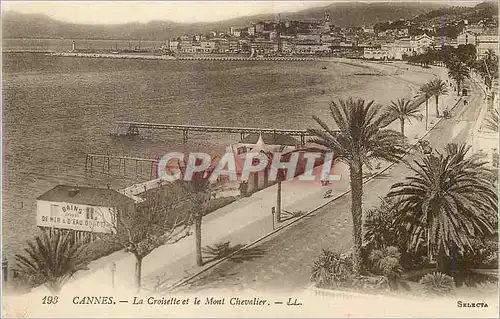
{"points": [[113, 271], [426, 111], [273, 212], [280, 176], [278, 202]]}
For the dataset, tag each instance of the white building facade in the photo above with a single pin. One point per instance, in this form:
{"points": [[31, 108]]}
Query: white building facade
{"points": [[487, 42], [81, 209], [400, 48]]}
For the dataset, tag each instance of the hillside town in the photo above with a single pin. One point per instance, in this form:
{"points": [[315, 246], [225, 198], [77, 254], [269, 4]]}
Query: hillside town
{"points": [[394, 40]]}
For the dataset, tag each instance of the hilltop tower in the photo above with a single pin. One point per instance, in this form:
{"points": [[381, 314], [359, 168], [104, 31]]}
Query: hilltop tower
{"points": [[326, 22], [327, 18], [278, 32]]}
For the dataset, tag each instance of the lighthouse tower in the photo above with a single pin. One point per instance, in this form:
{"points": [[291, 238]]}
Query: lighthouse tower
{"points": [[278, 32], [73, 46]]}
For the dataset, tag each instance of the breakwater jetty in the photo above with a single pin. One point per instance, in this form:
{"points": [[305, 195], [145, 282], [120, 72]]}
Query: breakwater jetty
{"points": [[112, 55], [26, 51]]}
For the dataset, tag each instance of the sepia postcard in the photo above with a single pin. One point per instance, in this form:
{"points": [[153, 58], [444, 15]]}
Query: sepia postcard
{"points": [[218, 159]]}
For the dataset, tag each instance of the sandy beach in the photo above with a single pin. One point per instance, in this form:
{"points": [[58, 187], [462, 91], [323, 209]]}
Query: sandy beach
{"points": [[386, 82]]}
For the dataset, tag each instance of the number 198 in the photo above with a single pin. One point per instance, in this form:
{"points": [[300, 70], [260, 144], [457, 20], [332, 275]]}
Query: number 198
{"points": [[49, 300]]}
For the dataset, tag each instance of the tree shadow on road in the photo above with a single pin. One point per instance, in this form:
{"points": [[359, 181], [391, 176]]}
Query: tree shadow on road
{"points": [[236, 253], [286, 215]]}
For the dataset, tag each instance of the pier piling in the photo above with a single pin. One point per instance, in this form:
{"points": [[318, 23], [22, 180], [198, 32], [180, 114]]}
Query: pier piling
{"points": [[122, 163]]}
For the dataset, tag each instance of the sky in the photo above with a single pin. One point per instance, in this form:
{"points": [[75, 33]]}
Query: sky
{"points": [[131, 11], [114, 12]]}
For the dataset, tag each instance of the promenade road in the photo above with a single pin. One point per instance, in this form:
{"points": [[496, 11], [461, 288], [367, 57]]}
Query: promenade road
{"points": [[288, 255]]}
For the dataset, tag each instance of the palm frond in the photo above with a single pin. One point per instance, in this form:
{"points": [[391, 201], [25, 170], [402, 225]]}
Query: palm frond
{"points": [[361, 133], [451, 195], [52, 259], [492, 120]]}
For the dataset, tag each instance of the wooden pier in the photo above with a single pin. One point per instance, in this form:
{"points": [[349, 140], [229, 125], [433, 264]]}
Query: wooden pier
{"points": [[212, 129], [94, 161]]}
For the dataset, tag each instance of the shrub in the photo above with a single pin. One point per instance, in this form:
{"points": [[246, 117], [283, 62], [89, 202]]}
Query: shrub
{"points": [[386, 262], [332, 270], [437, 283], [382, 228], [379, 225], [484, 253]]}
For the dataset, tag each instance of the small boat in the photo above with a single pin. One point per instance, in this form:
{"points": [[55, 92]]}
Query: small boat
{"points": [[324, 68]]}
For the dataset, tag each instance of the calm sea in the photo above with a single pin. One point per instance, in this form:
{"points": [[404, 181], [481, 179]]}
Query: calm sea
{"points": [[57, 109]]}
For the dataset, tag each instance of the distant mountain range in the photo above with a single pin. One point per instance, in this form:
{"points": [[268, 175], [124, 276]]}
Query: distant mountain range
{"points": [[343, 14]]}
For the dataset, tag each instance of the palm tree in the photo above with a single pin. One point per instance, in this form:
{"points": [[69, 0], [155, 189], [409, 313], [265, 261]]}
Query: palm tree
{"points": [[487, 67], [426, 89], [491, 65], [361, 137], [403, 110], [438, 88], [52, 260], [451, 200], [458, 72]]}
